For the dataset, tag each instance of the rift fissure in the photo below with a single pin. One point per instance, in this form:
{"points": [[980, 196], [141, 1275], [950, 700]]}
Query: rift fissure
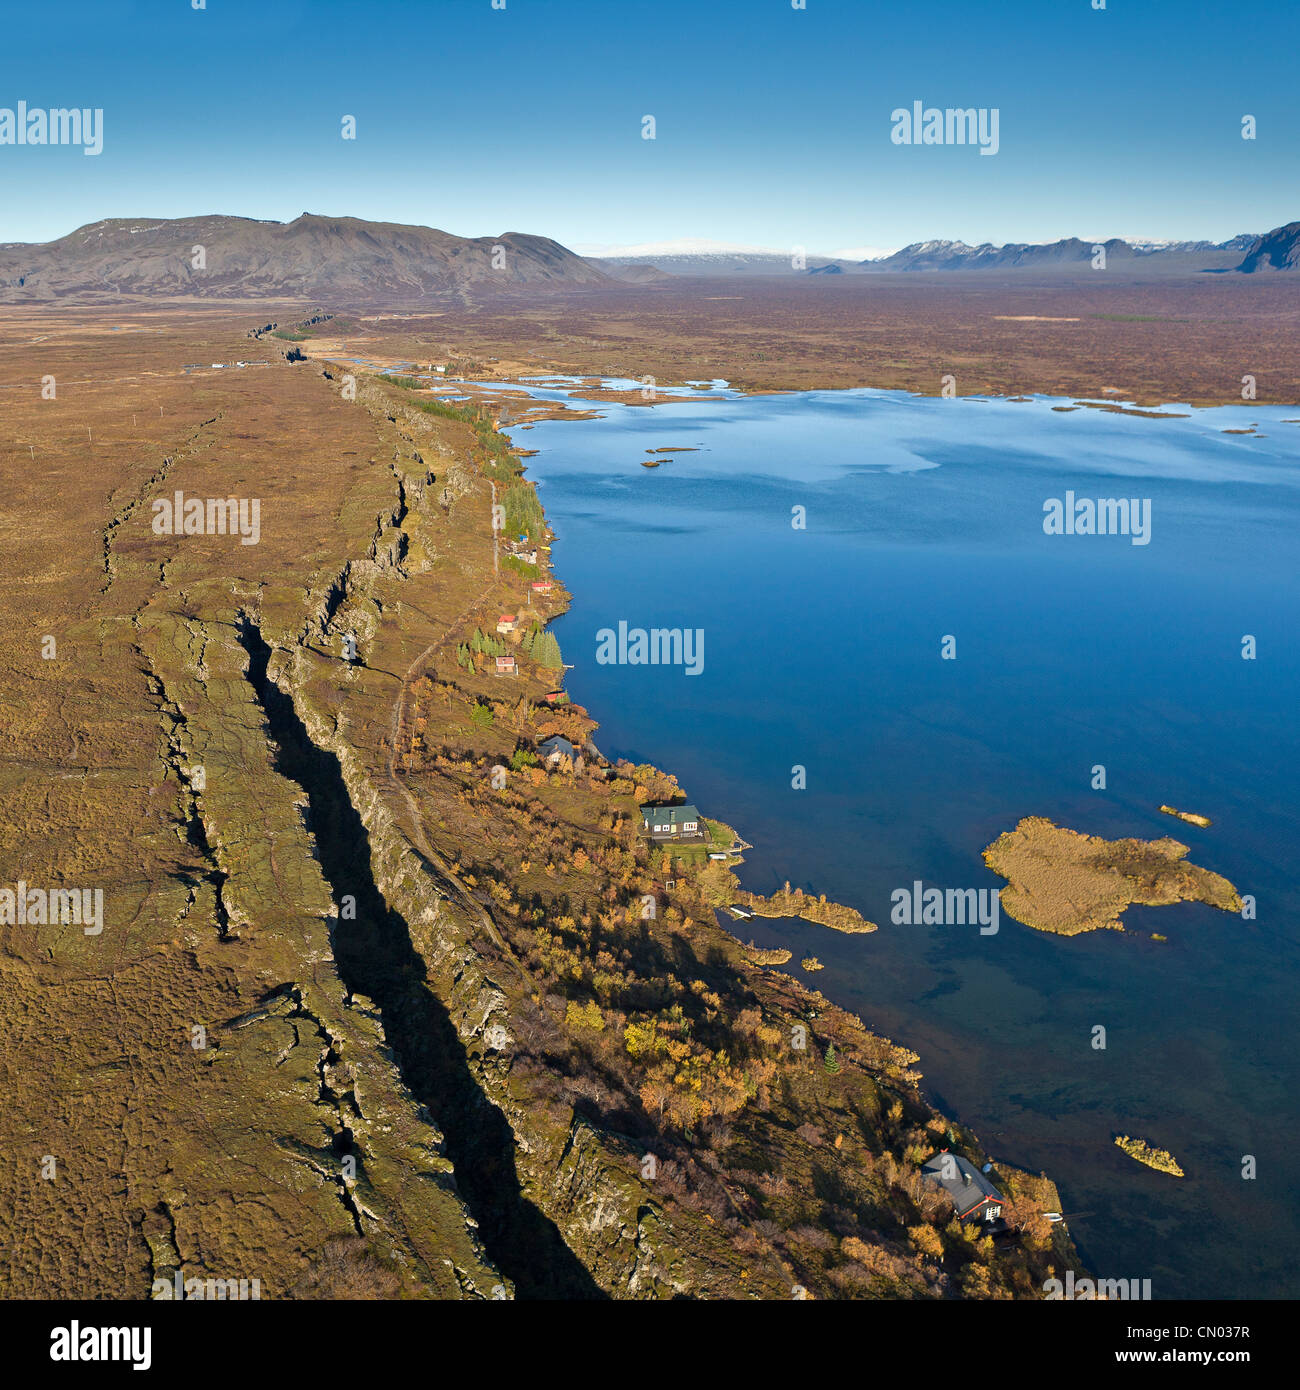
{"points": [[376, 958]]}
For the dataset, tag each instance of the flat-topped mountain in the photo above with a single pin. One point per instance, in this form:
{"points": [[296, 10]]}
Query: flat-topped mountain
{"points": [[713, 265], [311, 256]]}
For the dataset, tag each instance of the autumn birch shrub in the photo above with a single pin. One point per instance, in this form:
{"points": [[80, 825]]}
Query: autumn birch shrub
{"points": [[879, 1270], [584, 1016], [927, 1240]]}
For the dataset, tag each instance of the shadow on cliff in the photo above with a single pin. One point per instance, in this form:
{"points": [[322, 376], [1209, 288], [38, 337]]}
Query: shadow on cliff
{"points": [[375, 957]]}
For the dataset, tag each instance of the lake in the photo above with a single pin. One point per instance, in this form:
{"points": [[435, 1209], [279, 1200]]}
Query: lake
{"points": [[924, 521]]}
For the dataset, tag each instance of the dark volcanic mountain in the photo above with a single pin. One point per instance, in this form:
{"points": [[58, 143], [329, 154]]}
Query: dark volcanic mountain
{"points": [[1275, 250], [339, 257]]}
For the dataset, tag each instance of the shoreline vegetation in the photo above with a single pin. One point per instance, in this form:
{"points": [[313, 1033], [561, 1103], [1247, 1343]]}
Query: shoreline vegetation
{"points": [[1159, 1159], [1058, 881], [1061, 881], [640, 1012]]}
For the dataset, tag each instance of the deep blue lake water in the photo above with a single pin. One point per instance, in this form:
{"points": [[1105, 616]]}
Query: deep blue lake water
{"points": [[924, 519]]}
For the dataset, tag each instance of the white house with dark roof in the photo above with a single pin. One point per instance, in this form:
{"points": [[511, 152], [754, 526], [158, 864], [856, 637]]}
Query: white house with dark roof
{"points": [[672, 822], [973, 1195]]}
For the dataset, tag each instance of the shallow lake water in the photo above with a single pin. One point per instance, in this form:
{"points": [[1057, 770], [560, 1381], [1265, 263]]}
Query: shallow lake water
{"points": [[823, 650]]}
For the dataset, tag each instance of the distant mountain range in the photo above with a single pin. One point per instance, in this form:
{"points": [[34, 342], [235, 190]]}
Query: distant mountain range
{"points": [[1275, 249], [348, 260], [958, 255], [340, 257]]}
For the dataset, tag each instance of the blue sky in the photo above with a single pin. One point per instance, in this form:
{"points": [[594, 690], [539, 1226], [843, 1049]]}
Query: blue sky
{"points": [[772, 124]]}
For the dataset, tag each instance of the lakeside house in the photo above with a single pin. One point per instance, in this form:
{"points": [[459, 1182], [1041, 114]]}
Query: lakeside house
{"points": [[556, 697], [542, 586], [554, 748], [675, 823], [973, 1195], [506, 666], [507, 622]]}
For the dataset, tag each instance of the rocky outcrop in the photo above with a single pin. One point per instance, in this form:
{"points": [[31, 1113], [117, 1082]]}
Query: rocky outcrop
{"points": [[1275, 250]]}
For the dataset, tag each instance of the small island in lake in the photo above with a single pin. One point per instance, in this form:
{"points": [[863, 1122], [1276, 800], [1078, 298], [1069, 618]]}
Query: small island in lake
{"points": [[1189, 816], [1159, 1159], [1061, 881], [794, 902], [766, 955]]}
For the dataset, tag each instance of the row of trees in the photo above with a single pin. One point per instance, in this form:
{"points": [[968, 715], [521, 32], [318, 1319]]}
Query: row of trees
{"points": [[537, 643], [480, 644], [543, 648], [523, 512]]}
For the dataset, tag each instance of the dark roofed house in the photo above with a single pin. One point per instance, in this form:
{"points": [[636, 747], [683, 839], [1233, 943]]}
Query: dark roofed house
{"points": [[672, 822], [974, 1196], [554, 748]]}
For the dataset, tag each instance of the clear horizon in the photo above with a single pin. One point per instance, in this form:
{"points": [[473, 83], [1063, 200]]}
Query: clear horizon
{"points": [[772, 125]]}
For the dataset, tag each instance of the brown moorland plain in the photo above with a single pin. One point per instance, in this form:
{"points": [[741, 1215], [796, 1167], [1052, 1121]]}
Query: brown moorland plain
{"points": [[1153, 340], [378, 1005]]}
